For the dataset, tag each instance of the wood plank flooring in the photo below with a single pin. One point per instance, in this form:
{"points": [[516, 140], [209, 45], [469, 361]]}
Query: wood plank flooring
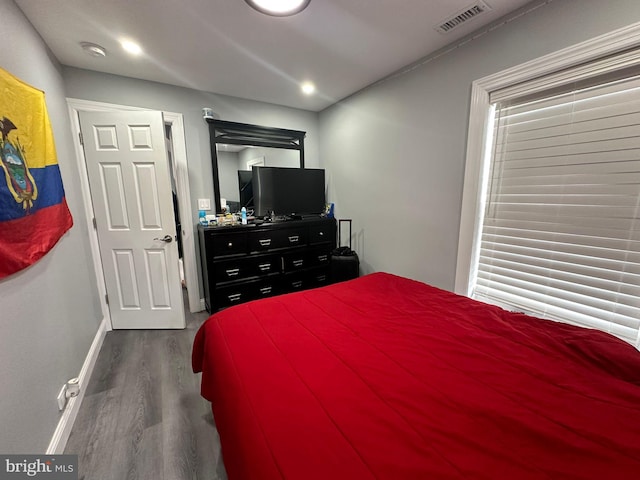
{"points": [[142, 416]]}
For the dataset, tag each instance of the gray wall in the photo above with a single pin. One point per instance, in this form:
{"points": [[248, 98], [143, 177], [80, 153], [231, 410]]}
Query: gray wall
{"points": [[49, 313], [395, 152], [273, 157], [228, 166]]}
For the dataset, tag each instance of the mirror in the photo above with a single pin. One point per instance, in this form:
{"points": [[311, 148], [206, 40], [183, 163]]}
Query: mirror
{"points": [[239, 146], [234, 158]]}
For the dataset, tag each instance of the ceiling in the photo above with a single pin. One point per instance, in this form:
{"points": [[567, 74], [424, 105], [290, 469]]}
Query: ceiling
{"points": [[225, 47]]}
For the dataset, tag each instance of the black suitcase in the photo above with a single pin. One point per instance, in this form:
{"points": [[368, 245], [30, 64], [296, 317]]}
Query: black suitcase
{"points": [[345, 264]]}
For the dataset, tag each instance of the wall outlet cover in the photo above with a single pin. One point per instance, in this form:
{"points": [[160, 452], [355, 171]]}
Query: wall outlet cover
{"points": [[204, 204]]}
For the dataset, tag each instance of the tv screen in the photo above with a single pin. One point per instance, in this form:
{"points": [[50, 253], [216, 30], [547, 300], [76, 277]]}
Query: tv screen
{"points": [[288, 191], [246, 188]]}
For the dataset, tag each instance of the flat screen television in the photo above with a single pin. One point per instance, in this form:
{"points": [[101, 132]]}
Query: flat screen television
{"points": [[245, 186], [288, 191]]}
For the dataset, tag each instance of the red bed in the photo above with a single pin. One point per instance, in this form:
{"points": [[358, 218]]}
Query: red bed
{"points": [[388, 378]]}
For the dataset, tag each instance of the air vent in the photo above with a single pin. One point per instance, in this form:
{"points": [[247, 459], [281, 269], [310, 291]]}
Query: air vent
{"points": [[477, 8]]}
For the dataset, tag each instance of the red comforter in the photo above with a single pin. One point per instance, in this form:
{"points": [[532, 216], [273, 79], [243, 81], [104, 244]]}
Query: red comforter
{"points": [[384, 377]]}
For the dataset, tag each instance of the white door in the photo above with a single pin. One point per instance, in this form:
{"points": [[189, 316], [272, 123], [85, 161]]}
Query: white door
{"points": [[133, 206]]}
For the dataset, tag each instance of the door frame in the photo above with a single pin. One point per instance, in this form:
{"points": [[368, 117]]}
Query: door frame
{"points": [[181, 177]]}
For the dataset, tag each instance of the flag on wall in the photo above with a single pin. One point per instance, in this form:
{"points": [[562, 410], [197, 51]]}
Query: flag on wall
{"points": [[33, 210]]}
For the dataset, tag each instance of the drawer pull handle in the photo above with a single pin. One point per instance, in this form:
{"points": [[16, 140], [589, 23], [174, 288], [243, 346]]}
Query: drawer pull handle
{"points": [[235, 297], [323, 258], [297, 284], [265, 267], [265, 290], [321, 278], [230, 245], [294, 239], [232, 272], [298, 263], [265, 242], [321, 234]]}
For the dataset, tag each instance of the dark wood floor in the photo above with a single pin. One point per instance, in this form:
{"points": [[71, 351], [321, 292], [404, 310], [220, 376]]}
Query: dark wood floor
{"points": [[142, 416]]}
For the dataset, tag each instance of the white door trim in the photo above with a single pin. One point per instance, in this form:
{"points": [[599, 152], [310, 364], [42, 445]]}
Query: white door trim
{"points": [[181, 176], [183, 192]]}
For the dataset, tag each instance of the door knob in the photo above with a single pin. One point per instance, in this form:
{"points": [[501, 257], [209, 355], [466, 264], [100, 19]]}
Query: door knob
{"points": [[166, 239]]}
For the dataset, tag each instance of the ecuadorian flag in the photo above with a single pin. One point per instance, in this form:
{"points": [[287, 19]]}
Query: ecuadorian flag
{"points": [[33, 210]]}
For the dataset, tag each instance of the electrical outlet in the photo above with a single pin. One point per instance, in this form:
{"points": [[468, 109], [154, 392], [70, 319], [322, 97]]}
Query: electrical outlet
{"points": [[62, 397], [204, 204]]}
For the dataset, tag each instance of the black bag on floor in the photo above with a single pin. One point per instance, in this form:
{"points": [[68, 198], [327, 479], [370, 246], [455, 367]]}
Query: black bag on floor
{"points": [[345, 264]]}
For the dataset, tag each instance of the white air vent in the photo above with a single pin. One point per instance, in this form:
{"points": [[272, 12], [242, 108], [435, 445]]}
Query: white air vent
{"points": [[463, 16]]}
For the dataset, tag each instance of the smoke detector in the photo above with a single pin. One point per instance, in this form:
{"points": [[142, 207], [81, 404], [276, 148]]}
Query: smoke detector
{"points": [[454, 21], [93, 49]]}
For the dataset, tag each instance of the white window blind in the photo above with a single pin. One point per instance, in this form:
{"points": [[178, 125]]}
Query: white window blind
{"points": [[561, 230]]}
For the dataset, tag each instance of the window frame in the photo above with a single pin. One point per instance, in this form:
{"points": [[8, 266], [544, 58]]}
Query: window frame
{"points": [[478, 155]]}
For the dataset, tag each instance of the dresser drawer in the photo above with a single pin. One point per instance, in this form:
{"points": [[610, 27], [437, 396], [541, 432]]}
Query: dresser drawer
{"points": [[266, 288], [234, 269], [321, 234], [265, 264], [233, 294], [294, 261], [294, 237], [265, 240], [318, 257], [318, 277], [232, 243], [292, 282]]}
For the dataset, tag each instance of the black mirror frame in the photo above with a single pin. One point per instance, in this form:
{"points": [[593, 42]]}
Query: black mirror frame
{"points": [[233, 133]]}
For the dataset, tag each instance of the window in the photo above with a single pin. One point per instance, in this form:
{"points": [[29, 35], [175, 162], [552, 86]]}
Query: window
{"points": [[551, 214]]}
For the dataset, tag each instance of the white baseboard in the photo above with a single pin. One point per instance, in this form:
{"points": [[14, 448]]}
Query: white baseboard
{"points": [[63, 430]]}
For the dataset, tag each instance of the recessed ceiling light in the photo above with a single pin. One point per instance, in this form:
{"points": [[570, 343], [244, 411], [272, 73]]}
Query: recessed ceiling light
{"points": [[308, 88], [131, 47], [279, 8], [93, 49]]}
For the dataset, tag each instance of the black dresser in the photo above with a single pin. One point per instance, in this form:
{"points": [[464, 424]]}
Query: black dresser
{"points": [[247, 262]]}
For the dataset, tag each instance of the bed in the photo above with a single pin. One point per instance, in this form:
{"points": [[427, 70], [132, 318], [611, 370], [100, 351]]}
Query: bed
{"points": [[383, 377]]}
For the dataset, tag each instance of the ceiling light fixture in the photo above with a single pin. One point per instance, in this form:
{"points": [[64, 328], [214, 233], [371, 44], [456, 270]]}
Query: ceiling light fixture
{"points": [[131, 47], [93, 49], [308, 88], [279, 8]]}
